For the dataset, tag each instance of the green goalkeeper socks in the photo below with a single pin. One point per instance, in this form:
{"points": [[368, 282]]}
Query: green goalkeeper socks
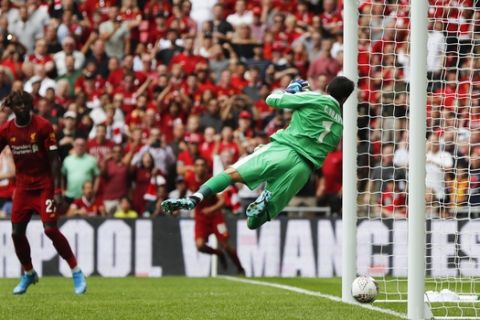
{"points": [[213, 186]]}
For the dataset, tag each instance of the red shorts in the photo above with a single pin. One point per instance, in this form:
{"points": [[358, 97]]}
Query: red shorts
{"points": [[27, 202], [206, 225]]}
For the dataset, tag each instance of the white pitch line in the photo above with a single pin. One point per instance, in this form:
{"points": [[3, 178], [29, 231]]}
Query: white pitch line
{"points": [[313, 293]]}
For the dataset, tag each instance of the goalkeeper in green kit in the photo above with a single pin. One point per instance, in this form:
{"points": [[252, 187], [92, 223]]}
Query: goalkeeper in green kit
{"points": [[287, 162]]}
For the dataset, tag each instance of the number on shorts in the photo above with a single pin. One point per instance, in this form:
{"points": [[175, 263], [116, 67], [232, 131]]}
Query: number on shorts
{"points": [[50, 205], [327, 125]]}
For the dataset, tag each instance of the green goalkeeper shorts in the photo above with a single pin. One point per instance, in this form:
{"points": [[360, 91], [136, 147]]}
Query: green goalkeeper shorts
{"points": [[284, 171]]}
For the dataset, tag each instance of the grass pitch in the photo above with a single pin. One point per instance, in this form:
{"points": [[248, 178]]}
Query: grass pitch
{"points": [[176, 298]]}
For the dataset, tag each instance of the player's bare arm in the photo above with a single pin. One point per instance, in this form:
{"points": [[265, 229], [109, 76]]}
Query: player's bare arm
{"points": [[55, 165]]}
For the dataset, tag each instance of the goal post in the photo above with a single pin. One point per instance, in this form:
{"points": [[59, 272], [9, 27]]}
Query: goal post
{"points": [[349, 176], [416, 175]]}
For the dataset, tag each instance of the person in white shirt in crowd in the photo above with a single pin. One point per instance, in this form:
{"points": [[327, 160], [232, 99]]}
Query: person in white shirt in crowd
{"points": [[68, 45], [26, 28], [241, 15], [438, 161], [162, 153]]}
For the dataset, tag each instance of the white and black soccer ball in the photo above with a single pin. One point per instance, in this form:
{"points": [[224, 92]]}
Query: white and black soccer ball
{"points": [[365, 289]]}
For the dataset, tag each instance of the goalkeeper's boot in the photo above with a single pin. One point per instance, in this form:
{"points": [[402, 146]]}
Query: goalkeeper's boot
{"points": [[257, 211], [171, 205], [25, 281], [79, 282]]}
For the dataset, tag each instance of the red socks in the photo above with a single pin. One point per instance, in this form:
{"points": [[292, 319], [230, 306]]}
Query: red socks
{"points": [[22, 248], [61, 244]]}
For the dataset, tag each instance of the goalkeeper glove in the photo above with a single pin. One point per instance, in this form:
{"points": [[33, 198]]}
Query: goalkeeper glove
{"points": [[297, 86]]}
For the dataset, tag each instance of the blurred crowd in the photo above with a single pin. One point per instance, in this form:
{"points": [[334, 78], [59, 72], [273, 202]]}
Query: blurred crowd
{"points": [[137, 90]]}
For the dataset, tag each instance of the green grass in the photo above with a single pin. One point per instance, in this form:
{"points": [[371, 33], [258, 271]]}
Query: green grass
{"points": [[195, 298], [176, 298]]}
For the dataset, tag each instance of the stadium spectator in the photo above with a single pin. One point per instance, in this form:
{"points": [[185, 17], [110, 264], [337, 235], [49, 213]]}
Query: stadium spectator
{"points": [[115, 174], [79, 167], [67, 135], [115, 33], [68, 46], [329, 188], [438, 162], [27, 27], [162, 153], [241, 15], [88, 205], [125, 210]]}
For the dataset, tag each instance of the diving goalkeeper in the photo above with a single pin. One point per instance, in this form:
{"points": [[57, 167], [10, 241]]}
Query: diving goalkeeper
{"points": [[287, 162]]}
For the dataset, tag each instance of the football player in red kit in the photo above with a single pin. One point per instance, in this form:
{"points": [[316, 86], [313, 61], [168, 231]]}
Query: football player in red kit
{"points": [[34, 147], [209, 218]]}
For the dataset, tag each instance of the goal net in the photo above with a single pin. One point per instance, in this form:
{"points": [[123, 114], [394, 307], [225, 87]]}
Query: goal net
{"points": [[452, 153]]}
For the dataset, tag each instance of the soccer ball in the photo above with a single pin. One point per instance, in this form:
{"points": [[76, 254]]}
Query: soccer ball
{"points": [[365, 289]]}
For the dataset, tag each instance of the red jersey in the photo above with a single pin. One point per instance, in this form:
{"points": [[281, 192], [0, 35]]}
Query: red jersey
{"points": [[93, 207], [30, 145], [332, 172], [100, 150]]}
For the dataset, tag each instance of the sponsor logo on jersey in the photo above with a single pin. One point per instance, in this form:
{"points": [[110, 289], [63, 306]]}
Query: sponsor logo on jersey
{"points": [[24, 149]]}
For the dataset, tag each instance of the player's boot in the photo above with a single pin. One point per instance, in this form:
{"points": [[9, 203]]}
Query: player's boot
{"points": [[25, 281], [256, 211], [79, 282], [171, 205]]}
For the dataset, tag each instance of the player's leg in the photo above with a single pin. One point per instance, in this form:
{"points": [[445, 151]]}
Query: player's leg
{"points": [[249, 170], [22, 249], [279, 191], [202, 246], [222, 235], [21, 214], [46, 206]]}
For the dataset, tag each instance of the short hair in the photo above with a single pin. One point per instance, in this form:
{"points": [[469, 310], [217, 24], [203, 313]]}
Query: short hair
{"points": [[340, 88], [19, 97]]}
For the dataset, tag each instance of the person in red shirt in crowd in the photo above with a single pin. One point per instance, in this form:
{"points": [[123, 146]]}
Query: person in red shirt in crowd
{"points": [[209, 218], [187, 59], [100, 147], [41, 56], [209, 146], [155, 8], [245, 128], [88, 205], [224, 86], [181, 21], [332, 21], [115, 173], [38, 186], [187, 157], [228, 143], [90, 83], [142, 174], [329, 189], [128, 91]]}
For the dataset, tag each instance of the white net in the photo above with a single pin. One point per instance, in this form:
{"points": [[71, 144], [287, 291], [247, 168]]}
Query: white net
{"points": [[453, 152]]}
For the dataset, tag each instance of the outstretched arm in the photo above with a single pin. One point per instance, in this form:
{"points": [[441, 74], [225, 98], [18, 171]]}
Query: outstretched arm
{"points": [[282, 99]]}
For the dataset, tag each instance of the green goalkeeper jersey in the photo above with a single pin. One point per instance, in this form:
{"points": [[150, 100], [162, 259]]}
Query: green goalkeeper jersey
{"points": [[316, 126]]}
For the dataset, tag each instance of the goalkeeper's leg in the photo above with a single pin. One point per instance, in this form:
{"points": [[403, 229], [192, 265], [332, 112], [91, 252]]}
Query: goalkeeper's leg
{"points": [[250, 170], [277, 194]]}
